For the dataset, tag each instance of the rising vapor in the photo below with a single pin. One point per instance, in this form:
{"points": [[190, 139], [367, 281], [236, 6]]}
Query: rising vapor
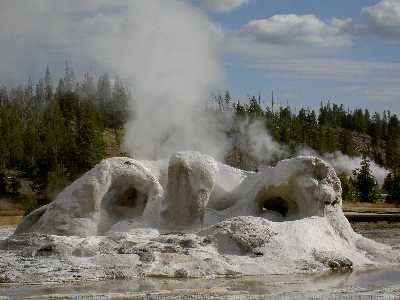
{"points": [[167, 51], [344, 164]]}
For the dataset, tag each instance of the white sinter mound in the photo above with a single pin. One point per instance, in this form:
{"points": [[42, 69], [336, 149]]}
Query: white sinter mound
{"points": [[190, 217]]}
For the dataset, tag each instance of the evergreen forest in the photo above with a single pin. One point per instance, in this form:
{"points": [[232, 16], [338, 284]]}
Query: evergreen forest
{"points": [[52, 134]]}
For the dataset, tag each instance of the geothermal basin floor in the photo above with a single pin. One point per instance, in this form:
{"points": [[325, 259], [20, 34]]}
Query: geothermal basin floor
{"points": [[368, 283]]}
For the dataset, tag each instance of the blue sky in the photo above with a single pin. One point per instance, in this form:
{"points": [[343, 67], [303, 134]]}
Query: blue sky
{"points": [[362, 70], [307, 51]]}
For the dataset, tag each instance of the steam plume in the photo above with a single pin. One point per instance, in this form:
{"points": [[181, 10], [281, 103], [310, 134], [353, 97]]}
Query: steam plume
{"points": [[255, 140], [165, 50], [345, 164], [175, 68]]}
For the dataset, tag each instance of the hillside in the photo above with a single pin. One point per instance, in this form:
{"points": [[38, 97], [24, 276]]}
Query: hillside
{"points": [[51, 136]]}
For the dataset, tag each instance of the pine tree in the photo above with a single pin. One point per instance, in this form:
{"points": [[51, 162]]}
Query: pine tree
{"points": [[346, 142], [365, 183], [254, 109], [393, 143], [104, 89], [87, 90], [60, 88], [69, 78], [392, 187], [48, 85], [240, 110], [40, 94], [29, 91], [227, 100], [89, 140], [117, 109]]}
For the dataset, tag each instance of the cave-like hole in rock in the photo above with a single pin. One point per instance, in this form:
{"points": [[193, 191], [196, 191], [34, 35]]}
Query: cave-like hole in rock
{"points": [[276, 204], [124, 203]]}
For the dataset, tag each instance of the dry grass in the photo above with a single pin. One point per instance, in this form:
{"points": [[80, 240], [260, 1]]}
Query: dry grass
{"points": [[11, 211], [10, 220]]}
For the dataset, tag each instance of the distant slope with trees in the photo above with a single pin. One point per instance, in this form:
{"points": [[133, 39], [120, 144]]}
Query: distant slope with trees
{"points": [[50, 135]]}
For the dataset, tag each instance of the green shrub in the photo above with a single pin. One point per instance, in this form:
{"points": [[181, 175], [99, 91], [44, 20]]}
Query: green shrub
{"points": [[392, 187]]}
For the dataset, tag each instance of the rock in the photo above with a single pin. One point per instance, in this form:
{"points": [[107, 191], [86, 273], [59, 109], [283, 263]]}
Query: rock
{"points": [[181, 273], [240, 235], [190, 217], [294, 189], [116, 189], [191, 179], [333, 261]]}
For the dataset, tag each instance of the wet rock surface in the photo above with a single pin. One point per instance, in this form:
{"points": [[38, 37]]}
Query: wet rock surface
{"points": [[236, 246]]}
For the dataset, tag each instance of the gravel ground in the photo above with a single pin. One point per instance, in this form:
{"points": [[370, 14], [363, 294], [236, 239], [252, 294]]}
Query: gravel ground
{"points": [[383, 232]]}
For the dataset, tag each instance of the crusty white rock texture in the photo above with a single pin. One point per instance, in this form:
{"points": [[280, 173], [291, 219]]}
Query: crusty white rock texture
{"points": [[191, 179], [115, 190], [189, 217]]}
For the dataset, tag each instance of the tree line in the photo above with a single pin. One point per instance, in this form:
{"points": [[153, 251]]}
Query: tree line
{"points": [[333, 128], [50, 135]]}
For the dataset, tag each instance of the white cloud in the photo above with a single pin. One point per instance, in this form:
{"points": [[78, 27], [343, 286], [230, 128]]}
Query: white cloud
{"points": [[305, 48], [383, 93], [94, 32], [223, 5], [299, 30], [383, 19], [345, 70]]}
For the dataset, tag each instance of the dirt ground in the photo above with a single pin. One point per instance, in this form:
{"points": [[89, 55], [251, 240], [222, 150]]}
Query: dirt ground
{"points": [[12, 214], [363, 207]]}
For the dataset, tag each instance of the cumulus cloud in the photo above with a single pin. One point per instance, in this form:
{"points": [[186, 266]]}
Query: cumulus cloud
{"points": [[223, 5], [306, 30], [305, 48], [383, 19], [345, 70]]}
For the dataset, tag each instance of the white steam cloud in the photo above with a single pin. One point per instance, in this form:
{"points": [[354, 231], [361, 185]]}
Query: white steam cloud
{"points": [[255, 140], [344, 164], [165, 50], [174, 68], [224, 5]]}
